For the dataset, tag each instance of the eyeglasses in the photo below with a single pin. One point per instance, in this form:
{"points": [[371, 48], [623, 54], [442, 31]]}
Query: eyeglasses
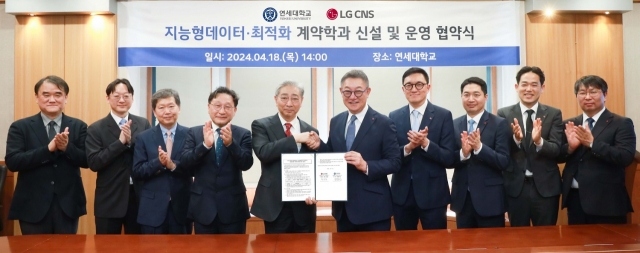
{"points": [[409, 86], [227, 108], [347, 93], [592, 93], [117, 97], [285, 100]]}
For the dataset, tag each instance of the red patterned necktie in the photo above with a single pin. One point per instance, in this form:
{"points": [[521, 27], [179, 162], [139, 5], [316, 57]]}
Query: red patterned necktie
{"points": [[288, 131]]}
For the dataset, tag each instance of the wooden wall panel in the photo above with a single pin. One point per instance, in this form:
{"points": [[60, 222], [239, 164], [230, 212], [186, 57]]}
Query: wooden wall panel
{"points": [[90, 64], [551, 46], [600, 52], [39, 51]]}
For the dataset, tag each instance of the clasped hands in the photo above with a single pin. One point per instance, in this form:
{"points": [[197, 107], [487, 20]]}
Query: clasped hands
{"points": [[310, 139], [60, 141], [578, 135]]}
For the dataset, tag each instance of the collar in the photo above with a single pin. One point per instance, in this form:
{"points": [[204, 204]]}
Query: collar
{"points": [[595, 117], [295, 123], [420, 109], [524, 109], [118, 119], [164, 130], [360, 115], [476, 118], [46, 119]]}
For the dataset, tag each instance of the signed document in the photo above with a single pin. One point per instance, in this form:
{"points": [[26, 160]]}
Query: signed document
{"points": [[322, 176], [331, 177]]}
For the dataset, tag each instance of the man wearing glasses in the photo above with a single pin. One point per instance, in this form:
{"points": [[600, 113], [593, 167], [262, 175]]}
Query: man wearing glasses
{"points": [[369, 140], [217, 154], [597, 147], [420, 189], [272, 136], [110, 145]]}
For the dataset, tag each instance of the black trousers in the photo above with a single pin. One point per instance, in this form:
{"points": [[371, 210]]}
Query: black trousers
{"points": [[169, 226], [285, 223], [217, 227], [406, 216], [576, 214], [469, 218], [532, 208], [129, 221], [345, 225], [54, 222]]}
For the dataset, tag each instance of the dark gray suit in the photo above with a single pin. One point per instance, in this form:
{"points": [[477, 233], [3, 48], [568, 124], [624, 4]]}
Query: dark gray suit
{"points": [[113, 161], [534, 199], [269, 142]]}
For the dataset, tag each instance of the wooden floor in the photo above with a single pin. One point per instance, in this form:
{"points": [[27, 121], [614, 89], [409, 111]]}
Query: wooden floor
{"points": [[584, 238]]}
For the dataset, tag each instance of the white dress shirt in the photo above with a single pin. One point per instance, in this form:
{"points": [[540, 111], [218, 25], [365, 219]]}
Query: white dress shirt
{"points": [[295, 127]]}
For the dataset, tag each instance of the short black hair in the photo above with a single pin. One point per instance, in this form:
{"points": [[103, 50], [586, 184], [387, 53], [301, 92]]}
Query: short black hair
{"points": [[356, 73], [533, 69], [164, 93], [58, 81], [225, 90], [591, 81], [474, 80], [112, 86], [414, 70]]}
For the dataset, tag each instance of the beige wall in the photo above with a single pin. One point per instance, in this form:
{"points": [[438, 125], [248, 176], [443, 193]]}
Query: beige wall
{"points": [[7, 24], [631, 38]]}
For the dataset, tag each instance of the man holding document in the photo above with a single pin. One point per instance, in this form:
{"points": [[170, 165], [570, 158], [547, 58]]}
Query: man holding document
{"points": [[272, 136], [369, 140]]}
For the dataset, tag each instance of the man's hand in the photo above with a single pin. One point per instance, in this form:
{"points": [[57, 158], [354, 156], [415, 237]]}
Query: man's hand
{"points": [[475, 140], [354, 158], [517, 131], [226, 135], [207, 133], [62, 139], [314, 141], [536, 131]]}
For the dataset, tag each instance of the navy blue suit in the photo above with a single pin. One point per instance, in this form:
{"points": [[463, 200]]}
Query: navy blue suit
{"points": [[369, 196], [480, 177], [429, 185], [161, 186], [218, 192]]}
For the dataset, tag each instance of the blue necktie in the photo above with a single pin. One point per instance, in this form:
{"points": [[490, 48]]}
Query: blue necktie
{"points": [[415, 125], [122, 122], [590, 120], [351, 132], [471, 122], [219, 149]]}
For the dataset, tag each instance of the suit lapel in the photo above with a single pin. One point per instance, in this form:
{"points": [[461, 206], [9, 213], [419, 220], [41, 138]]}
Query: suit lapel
{"points": [[602, 123], [276, 127], [429, 112], [368, 121], [484, 121], [112, 127], [517, 114], [341, 124], [134, 124], [37, 125], [405, 123], [178, 140], [157, 135]]}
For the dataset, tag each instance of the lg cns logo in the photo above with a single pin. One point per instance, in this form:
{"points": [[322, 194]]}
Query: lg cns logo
{"points": [[333, 14], [270, 14]]}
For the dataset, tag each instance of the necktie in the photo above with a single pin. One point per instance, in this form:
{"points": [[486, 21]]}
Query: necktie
{"points": [[52, 130], [287, 132], [471, 122], [529, 126], [122, 122], [169, 143], [415, 125], [590, 120], [351, 132], [220, 148]]}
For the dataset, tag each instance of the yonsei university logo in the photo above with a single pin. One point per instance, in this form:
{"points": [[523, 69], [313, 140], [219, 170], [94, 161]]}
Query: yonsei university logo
{"points": [[270, 14]]}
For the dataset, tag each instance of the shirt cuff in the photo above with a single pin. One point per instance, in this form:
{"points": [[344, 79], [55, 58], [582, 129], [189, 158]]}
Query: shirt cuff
{"points": [[478, 151], [404, 150], [539, 147], [462, 157], [516, 141], [367, 171], [426, 147], [205, 145]]}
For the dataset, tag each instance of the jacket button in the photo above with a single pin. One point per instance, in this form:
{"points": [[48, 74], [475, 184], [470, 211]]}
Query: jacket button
{"points": [[52, 182], [55, 165]]}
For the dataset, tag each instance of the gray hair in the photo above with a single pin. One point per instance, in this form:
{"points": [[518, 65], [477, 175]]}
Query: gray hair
{"points": [[290, 83], [356, 73], [164, 93]]}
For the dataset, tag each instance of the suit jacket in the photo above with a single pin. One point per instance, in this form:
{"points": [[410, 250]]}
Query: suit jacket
{"points": [[161, 186], [218, 190], [541, 163], [428, 169], [269, 142], [42, 173], [481, 174], [113, 161], [601, 168], [369, 196]]}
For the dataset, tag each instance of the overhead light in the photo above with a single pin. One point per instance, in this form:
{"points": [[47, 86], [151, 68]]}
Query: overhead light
{"points": [[93, 14], [606, 12], [32, 14], [548, 12]]}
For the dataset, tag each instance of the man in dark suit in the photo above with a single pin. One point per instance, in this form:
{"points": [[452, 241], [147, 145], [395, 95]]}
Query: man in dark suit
{"points": [[48, 150], [597, 147], [369, 140], [110, 153], [477, 194], [272, 136], [420, 190], [533, 180], [164, 198], [217, 154]]}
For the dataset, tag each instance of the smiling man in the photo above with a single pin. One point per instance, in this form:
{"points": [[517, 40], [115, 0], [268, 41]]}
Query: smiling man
{"points": [[482, 154], [597, 147], [217, 153], [533, 180], [425, 133], [110, 145], [164, 198], [48, 150], [369, 140]]}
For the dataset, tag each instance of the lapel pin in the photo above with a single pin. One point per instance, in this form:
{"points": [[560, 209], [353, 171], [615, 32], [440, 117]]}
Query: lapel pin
{"points": [[430, 118]]}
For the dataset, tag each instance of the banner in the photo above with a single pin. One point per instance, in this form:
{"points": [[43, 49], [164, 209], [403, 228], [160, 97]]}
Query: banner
{"points": [[318, 33]]}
